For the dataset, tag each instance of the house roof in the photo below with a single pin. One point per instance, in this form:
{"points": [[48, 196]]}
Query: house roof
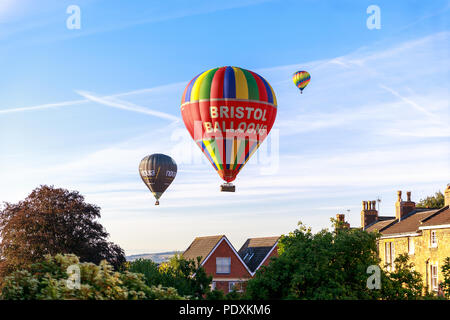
{"points": [[441, 217], [255, 250], [408, 224], [202, 247], [381, 223]]}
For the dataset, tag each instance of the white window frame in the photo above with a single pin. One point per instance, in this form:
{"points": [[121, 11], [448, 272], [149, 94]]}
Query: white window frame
{"points": [[411, 246], [389, 254], [393, 255], [232, 284], [217, 265], [433, 239], [387, 250], [434, 277]]}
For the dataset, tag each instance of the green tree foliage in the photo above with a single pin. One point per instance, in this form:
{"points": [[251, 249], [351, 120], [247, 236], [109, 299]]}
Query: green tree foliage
{"points": [[52, 221], [215, 295], [47, 280], [446, 273], [432, 202], [219, 295], [333, 265], [325, 265], [403, 283], [187, 276]]}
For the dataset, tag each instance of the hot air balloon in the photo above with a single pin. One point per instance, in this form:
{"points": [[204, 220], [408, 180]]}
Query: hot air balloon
{"points": [[301, 79], [228, 111], [157, 171]]}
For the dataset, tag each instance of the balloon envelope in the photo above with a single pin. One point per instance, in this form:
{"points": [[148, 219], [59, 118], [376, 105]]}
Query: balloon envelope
{"points": [[157, 171], [228, 111], [301, 79]]}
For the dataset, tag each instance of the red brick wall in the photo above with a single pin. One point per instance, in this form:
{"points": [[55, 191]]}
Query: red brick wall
{"points": [[237, 269]]}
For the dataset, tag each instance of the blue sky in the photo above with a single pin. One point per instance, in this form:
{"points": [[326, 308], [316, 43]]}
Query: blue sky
{"points": [[80, 108]]}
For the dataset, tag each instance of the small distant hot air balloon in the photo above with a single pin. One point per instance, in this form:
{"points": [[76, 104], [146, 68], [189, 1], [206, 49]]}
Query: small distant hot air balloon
{"points": [[228, 111], [157, 171], [301, 79]]}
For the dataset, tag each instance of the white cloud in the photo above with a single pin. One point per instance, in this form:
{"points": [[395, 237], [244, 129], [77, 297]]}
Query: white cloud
{"points": [[120, 104]]}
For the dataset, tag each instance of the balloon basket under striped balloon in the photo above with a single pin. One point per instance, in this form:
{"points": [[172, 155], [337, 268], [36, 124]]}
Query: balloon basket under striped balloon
{"points": [[228, 187]]}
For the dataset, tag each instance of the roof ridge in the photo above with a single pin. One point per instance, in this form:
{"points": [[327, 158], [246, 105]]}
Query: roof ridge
{"points": [[434, 214], [271, 237], [218, 235]]}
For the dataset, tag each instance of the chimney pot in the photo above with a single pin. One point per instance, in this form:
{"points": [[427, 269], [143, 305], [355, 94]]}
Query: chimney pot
{"points": [[369, 214], [399, 196], [402, 208]]}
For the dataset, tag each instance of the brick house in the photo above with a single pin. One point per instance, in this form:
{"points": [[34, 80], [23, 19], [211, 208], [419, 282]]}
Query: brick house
{"points": [[424, 234], [231, 269]]}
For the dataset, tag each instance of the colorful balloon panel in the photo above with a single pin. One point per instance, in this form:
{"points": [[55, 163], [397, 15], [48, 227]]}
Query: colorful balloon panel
{"points": [[157, 172], [228, 111], [301, 79]]}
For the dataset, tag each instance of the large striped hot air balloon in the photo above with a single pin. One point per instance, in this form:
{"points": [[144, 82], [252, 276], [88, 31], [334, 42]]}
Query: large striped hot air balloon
{"points": [[228, 111], [301, 79]]}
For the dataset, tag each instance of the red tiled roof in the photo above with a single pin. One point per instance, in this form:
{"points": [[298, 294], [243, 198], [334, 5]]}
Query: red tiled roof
{"points": [[201, 247], [441, 217], [408, 224], [380, 224]]}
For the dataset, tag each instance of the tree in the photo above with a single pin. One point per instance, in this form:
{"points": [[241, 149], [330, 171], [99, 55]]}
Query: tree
{"points": [[325, 265], [48, 279], [446, 273], [403, 283], [187, 276], [432, 202], [51, 221], [335, 265]]}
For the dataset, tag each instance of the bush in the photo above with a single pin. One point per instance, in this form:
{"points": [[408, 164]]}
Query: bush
{"points": [[48, 280], [187, 276]]}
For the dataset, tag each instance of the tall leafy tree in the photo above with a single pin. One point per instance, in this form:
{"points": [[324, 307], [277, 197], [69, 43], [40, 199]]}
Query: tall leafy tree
{"points": [[325, 265], [432, 202], [53, 221]]}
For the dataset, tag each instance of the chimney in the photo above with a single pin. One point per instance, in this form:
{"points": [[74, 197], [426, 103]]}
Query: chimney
{"points": [[447, 196], [402, 208], [341, 218], [369, 213]]}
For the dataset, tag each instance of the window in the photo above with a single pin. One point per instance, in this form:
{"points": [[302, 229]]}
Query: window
{"points": [[433, 239], [389, 254], [223, 265], [213, 285], [411, 245], [434, 277], [235, 286]]}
